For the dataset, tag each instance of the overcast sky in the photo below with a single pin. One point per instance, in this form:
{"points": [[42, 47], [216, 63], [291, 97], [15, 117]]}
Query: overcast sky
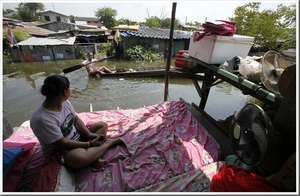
{"points": [[139, 10]]}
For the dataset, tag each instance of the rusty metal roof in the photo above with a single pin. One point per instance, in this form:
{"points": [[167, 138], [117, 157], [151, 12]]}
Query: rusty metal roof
{"points": [[39, 41], [38, 31]]}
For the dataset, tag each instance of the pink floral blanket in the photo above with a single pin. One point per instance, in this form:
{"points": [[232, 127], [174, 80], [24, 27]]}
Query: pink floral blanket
{"points": [[161, 142]]}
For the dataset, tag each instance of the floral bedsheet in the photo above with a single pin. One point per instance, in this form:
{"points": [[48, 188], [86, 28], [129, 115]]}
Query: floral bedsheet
{"points": [[165, 146]]}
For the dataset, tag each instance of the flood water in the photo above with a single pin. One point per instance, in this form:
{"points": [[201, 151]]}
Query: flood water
{"points": [[21, 96]]}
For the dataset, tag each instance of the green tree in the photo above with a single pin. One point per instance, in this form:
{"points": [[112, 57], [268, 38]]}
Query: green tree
{"points": [[24, 13], [267, 26], [166, 23], [107, 16], [34, 8], [72, 19], [153, 21], [287, 14], [287, 19], [28, 11], [8, 12], [126, 21], [195, 23]]}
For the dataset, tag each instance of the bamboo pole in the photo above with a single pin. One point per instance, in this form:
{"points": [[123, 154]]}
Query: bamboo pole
{"points": [[166, 94]]}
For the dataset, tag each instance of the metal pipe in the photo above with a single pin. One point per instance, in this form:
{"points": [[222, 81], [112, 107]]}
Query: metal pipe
{"points": [[166, 94]]}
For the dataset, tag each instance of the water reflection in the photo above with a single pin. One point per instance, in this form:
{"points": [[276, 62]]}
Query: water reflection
{"points": [[224, 88], [21, 94]]}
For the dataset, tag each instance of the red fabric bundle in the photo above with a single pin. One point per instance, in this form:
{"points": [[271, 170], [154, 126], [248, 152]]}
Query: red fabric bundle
{"points": [[232, 179], [13, 178], [226, 28]]}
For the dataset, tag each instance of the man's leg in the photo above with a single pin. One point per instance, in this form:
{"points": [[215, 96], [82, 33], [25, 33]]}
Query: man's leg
{"points": [[105, 69]]}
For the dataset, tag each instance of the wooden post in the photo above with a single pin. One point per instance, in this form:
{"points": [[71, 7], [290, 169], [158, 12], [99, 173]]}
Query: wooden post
{"points": [[196, 84], [53, 54], [166, 94], [206, 84]]}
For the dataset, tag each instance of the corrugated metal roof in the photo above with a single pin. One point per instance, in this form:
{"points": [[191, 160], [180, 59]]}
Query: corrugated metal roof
{"points": [[50, 11], [38, 41], [35, 23], [78, 18], [68, 23], [158, 33], [91, 30]]}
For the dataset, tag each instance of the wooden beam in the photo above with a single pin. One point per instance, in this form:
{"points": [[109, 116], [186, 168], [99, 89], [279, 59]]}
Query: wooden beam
{"points": [[246, 86], [166, 94], [205, 89], [196, 84], [186, 75]]}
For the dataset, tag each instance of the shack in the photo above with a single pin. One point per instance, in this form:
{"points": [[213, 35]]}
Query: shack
{"points": [[51, 16], [156, 38], [44, 49], [87, 21]]}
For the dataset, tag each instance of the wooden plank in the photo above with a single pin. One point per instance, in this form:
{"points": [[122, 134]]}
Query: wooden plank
{"points": [[186, 75]]}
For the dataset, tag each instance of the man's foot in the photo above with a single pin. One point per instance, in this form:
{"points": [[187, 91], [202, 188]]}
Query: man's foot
{"points": [[99, 164]]}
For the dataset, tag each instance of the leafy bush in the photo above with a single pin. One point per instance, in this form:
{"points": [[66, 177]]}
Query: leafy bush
{"points": [[19, 35], [139, 53], [104, 47], [81, 55], [7, 59]]}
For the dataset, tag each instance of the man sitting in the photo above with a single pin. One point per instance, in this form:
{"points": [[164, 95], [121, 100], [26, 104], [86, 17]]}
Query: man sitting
{"points": [[92, 69]]}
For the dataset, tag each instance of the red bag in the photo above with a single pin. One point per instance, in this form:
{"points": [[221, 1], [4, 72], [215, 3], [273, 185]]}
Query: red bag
{"points": [[226, 28]]}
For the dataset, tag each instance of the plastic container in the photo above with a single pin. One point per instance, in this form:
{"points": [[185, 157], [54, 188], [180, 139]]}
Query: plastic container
{"points": [[180, 61], [215, 49]]}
